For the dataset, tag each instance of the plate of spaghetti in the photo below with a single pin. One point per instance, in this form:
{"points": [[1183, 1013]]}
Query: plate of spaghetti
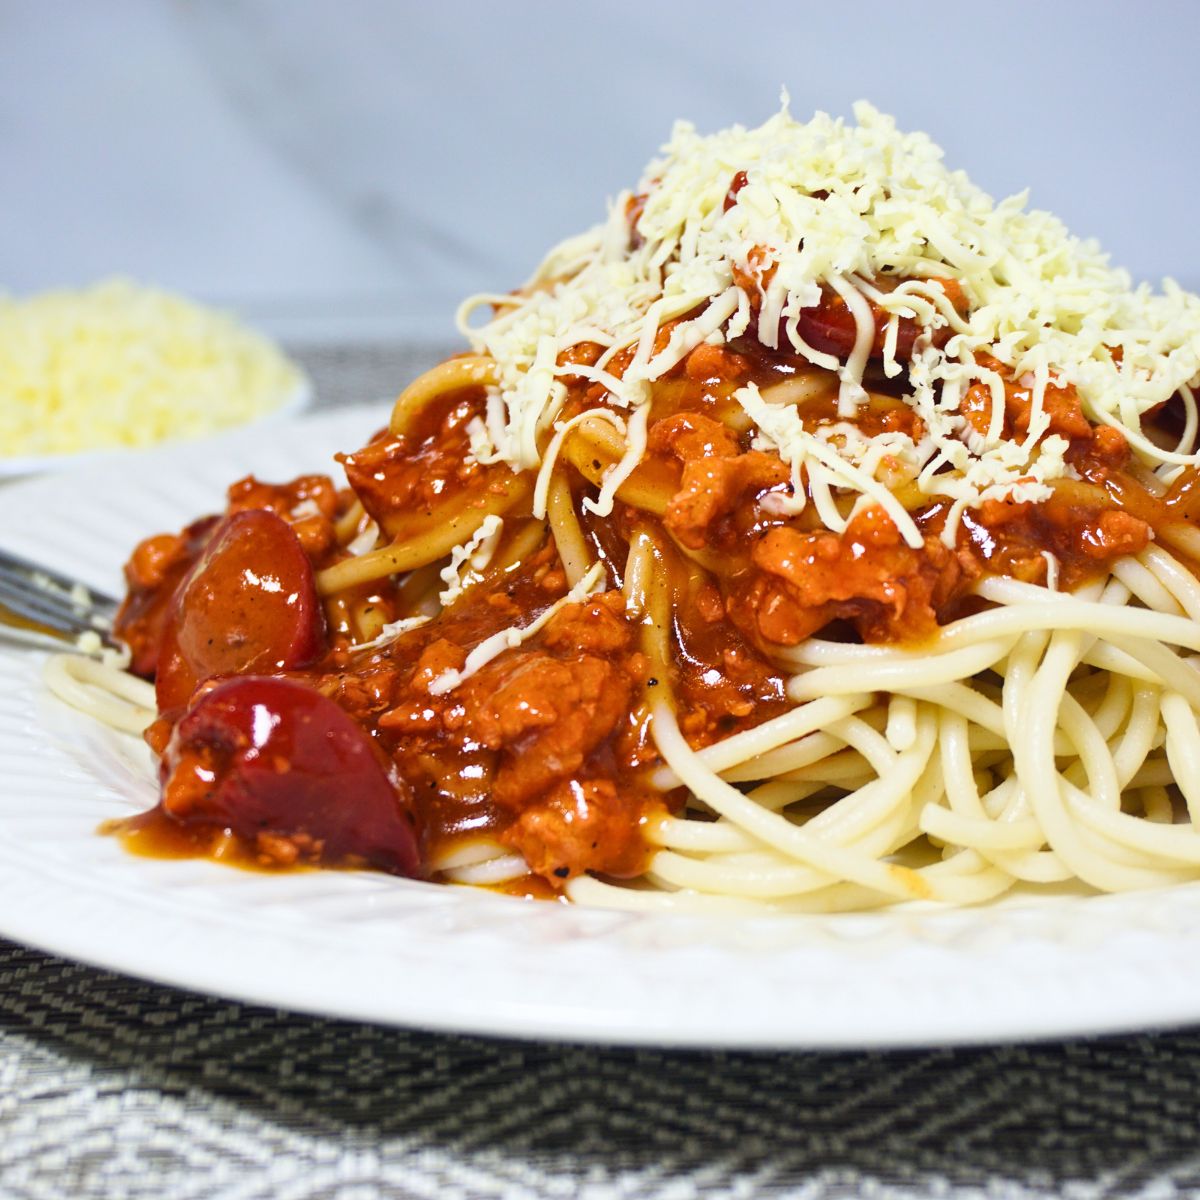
{"points": [[794, 588]]}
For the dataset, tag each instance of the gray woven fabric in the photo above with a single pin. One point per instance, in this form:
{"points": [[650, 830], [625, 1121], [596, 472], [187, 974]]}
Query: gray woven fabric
{"points": [[114, 1088], [360, 372]]}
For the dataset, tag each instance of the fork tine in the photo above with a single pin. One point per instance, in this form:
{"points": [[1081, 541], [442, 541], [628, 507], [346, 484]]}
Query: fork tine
{"points": [[45, 581], [38, 606], [31, 636], [26, 626], [47, 609]]}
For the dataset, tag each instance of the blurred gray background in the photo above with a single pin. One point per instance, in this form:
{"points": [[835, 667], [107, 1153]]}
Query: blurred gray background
{"points": [[362, 164]]}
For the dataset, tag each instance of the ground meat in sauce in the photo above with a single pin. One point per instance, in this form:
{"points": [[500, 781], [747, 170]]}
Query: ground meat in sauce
{"points": [[512, 736], [544, 749], [1013, 539], [716, 477], [401, 479], [868, 576], [543, 716], [581, 825], [715, 362], [1060, 407], [309, 504]]}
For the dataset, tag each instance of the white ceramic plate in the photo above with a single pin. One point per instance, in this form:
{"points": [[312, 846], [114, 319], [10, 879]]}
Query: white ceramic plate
{"points": [[299, 399], [377, 948]]}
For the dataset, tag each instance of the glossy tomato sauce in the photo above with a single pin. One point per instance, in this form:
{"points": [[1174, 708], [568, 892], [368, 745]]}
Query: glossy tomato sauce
{"points": [[545, 750]]}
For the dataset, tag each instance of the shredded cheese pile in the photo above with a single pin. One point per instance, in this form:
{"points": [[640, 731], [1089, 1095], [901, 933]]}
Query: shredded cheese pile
{"points": [[840, 205], [123, 365]]}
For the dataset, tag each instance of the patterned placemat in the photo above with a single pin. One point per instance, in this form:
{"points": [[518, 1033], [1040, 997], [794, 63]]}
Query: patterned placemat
{"points": [[114, 1088]]}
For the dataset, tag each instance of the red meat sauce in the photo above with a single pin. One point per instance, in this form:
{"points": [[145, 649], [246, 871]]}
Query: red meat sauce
{"points": [[546, 748], [408, 482]]}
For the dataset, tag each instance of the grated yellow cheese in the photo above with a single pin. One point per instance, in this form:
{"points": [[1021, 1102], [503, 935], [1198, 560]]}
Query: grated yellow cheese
{"points": [[120, 365]]}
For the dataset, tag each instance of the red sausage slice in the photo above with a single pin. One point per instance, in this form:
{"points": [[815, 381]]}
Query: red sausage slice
{"points": [[249, 604], [154, 573], [273, 758], [830, 326]]}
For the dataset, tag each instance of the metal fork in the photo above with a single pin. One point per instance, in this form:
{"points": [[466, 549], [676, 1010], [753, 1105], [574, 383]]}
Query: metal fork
{"points": [[39, 607]]}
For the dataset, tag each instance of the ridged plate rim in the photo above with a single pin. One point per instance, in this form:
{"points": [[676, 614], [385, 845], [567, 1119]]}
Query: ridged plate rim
{"points": [[373, 948]]}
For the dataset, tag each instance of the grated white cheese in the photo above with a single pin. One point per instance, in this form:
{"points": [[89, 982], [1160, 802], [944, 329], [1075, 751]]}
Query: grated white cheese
{"points": [[832, 204], [1052, 570], [780, 429], [509, 639], [475, 554], [635, 448], [364, 541], [93, 645], [306, 508], [391, 631]]}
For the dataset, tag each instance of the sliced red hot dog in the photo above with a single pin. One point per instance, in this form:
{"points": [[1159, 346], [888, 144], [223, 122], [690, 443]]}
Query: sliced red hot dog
{"points": [[249, 604], [831, 328], [283, 767], [154, 572]]}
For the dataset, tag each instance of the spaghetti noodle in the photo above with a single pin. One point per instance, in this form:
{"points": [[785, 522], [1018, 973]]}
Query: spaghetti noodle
{"points": [[815, 534]]}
